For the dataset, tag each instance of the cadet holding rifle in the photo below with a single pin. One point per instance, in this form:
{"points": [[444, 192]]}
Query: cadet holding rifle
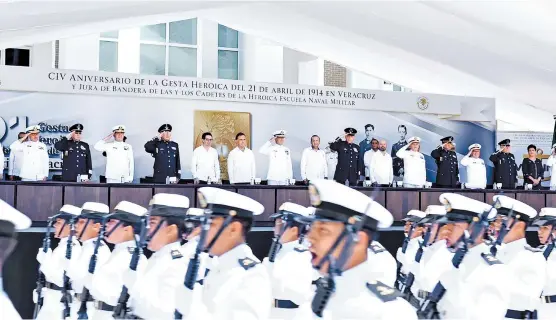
{"points": [[53, 263], [122, 226]]}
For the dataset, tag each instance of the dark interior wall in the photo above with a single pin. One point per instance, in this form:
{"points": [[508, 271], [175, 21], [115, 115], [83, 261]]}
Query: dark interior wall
{"points": [[20, 270]]}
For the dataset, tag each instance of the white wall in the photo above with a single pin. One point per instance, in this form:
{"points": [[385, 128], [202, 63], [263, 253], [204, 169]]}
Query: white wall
{"points": [[79, 53], [128, 48], [42, 55], [207, 49]]}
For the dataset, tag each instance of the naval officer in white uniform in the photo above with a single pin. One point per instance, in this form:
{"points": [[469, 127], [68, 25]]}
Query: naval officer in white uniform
{"points": [[119, 156], [476, 170], [35, 155], [280, 160]]}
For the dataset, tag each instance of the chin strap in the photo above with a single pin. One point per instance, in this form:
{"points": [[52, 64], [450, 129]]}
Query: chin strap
{"points": [[226, 222]]}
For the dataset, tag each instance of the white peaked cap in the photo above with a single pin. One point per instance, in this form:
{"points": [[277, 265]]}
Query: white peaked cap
{"points": [[33, 129], [340, 200], [436, 210], [17, 218], [459, 206], [294, 208], [279, 133], [96, 207], [311, 211], [70, 209], [131, 208], [414, 216], [474, 146], [170, 200], [119, 128], [413, 139], [546, 215], [195, 212], [521, 210], [223, 201]]}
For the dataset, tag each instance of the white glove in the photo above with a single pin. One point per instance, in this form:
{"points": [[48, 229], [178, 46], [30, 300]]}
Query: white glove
{"points": [[36, 295], [41, 255], [268, 265], [185, 298], [130, 277]]}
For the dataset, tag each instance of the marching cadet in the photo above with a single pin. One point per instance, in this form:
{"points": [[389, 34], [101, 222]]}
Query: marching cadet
{"points": [[313, 162], [547, 233], [289, 264], [476, 287], [166, 154], [436, 258], [152, 293], [119, 156], [205, 165], [349, 165], [344, 224], [16, 160], [280, 164], [415, 173], [53, 263], [11, 221], [527, 264], [241, 162], [76, 155], [33, 154], [413, 231], [238, 287], [476, 170], [122, 226], [87, 231], [505, 168], [447, 173]]}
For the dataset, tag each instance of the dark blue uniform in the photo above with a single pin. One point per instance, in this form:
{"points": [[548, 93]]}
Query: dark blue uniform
{"points": [[166, 156], [349, 165], [505, 169], [447, 168], [397, 163], [76, 157]]}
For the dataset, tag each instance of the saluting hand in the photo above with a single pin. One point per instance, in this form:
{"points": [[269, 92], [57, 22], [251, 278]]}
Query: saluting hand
{"points": [[109, 136]]}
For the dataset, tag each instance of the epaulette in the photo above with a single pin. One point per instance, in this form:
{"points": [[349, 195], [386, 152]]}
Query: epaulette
{"points": [[299, 249], [382, 291], [247, 263], [490, 259], [176, 254], [533, 249], [376, 248]]}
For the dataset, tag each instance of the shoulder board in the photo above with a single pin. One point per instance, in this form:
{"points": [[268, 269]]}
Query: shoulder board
{"points": [[533, 249], [247, 263], [299, 249], [490, 259], [176, 254], [382, 291], [376, 248], [130, 249]]}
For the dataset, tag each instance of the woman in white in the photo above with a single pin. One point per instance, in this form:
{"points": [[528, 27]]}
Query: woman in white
{"points": [[550, 163], [415, 174], [476, 170]]}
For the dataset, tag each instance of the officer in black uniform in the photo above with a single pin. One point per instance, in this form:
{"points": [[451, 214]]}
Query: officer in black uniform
{"points": [[349, 167], [397, 163], [76, 155], [505, 168], [166, 154], [447, 173]]}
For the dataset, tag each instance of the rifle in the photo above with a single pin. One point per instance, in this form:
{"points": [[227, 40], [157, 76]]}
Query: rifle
{"points": [[121, 309], [82, 313], [406, 288], [193, 266], [66, 295], [504, 229], [326, 285], [41, 280], [276, 245]]}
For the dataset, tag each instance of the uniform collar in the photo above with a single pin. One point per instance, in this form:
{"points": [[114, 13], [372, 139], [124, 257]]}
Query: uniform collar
{"points": [[289, 246], [515, 245], [89, 241], [167, 249], [125, 245], [231, 257], [355, 275]]}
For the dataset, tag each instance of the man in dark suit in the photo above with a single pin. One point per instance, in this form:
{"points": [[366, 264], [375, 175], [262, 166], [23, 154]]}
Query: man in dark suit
{"points": [[76, 156], [166, 154], [505, 168], [349, 168], [447, 174]]}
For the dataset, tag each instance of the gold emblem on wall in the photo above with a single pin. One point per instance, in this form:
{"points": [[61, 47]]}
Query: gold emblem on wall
{"points": [[224, 125]]}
